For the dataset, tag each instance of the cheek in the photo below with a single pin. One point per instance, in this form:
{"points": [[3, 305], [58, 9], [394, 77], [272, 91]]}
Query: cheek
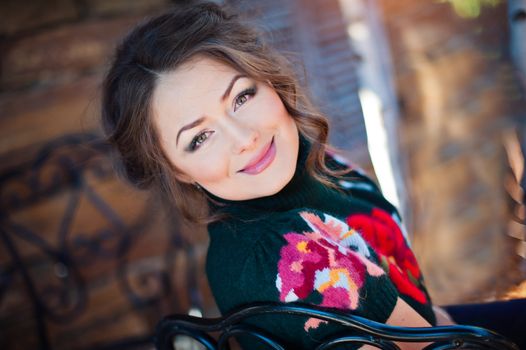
{"points": [[209, 169], [273, 109]]}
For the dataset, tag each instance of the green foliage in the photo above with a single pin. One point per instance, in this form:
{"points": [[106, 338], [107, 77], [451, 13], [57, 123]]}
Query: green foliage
{"points": [[470, 8]]}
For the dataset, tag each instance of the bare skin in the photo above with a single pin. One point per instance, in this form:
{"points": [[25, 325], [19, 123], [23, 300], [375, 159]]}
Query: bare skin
{"points": [[405, 316]]}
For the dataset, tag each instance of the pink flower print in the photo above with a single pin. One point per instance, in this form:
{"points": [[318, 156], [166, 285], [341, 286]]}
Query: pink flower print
{"points": [[337, 231], [319, 261], [343, 236]]}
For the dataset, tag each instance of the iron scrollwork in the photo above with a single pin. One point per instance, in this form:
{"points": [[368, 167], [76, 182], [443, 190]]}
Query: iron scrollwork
{"points": [[69, 167]]}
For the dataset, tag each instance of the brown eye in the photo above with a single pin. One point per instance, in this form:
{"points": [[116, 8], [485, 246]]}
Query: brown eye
{"points": [[198, 140], [243, 97], [241, 100]]}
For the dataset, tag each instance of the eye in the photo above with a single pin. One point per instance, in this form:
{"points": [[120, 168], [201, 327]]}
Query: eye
{"points": [[243, 97], [198, 140]]}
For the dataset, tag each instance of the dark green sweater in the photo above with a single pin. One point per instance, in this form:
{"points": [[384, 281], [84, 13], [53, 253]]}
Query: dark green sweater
{"points": [[313, 244]]}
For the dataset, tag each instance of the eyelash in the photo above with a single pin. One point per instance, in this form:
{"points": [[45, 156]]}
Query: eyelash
{"points": [[195, 143], [251, 91]]}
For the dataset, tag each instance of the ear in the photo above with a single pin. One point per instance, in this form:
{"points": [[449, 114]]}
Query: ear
{"points": [[183, 178]]}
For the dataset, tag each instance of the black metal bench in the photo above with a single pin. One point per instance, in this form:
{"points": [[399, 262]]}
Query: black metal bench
{"points": [[362, 331]]}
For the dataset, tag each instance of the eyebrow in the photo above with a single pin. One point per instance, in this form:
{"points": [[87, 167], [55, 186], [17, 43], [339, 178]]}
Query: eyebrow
{"points": [[200, 120]]}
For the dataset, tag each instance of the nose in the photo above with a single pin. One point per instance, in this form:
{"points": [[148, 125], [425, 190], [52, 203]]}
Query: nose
{"points": [[243, 137]]}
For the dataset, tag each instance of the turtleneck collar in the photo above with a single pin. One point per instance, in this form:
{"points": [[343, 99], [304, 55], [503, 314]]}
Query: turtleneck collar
{"points": [[302, 190]]}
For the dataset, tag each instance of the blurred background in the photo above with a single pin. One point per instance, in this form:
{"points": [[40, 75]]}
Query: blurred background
{"points": [[427, 96]]}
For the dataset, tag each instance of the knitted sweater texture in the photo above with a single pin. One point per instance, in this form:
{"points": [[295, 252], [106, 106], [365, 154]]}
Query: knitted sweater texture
{"points": [[314, 244]]}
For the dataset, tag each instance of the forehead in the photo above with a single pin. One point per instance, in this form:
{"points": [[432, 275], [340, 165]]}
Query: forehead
{"points": [[183, 91], [202, 74], [183, 95]]}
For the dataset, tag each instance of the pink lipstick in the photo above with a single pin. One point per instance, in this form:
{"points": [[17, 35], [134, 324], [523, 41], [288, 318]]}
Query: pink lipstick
{"points": [[262, 160]]}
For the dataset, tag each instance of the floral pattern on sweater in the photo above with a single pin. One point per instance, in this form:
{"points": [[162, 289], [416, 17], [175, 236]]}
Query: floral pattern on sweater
{"points": [[385, 237], [332, 259]]}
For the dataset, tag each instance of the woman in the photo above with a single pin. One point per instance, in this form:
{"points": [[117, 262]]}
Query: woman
{"points": [[203, 111]]}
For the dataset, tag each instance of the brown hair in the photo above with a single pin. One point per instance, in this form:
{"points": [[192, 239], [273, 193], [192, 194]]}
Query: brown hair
{"points": [[162, 44]]}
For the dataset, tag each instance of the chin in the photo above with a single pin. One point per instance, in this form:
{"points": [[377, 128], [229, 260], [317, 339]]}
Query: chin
{"points": [[279, 186]]}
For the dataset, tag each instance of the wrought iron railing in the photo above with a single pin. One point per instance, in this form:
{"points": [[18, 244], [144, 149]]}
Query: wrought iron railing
{"points": [[361, 331], [69, 166]]}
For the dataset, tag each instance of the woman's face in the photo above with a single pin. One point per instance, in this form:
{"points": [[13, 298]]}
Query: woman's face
{"points": [[225, 131]]}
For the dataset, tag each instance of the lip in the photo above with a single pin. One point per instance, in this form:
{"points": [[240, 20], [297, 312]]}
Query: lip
{"points": [[261, 161]]}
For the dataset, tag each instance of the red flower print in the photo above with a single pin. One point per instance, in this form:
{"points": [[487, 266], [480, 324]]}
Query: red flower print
{"points": [[385, 237]]}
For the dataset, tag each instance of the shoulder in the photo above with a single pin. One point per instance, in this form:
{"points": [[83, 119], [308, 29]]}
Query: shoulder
{"points": [[245, 238], [356, 182], [272, 230], [246, 254], [234, 241], [354, 177]]}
